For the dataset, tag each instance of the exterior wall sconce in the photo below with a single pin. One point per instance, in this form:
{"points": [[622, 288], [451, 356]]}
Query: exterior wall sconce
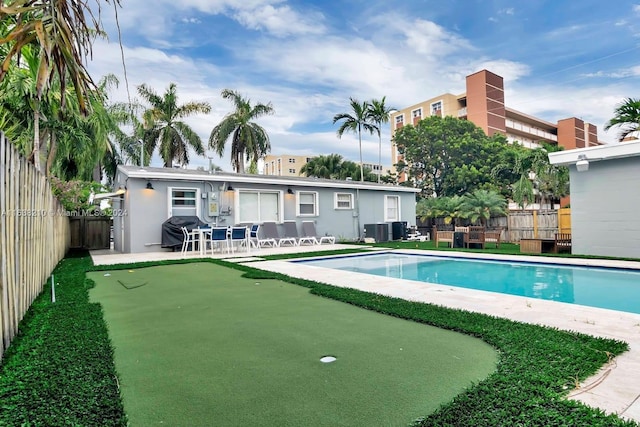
{"points": [[582, 164], [289, 190], [149, 186]]}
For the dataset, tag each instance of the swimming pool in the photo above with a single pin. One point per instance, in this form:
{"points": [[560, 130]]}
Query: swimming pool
{"points": [[615, 289]]}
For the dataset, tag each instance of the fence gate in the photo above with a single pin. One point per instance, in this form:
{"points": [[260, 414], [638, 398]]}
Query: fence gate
{"points": [[90, 232], [564, 220]]}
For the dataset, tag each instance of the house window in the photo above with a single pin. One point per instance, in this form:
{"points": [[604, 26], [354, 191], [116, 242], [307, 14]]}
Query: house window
{"points": [[292, 171], [391, 208], [399, 119], [416, 114], [258, 206], [183, 202], [436, 108], [343, 201], [307, 203]]}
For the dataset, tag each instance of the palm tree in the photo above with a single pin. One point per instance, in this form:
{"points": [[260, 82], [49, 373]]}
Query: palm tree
{"points": [[627, 118], [164, 128], [482, 205], [73, 145], [326, 167], [448, 208], [248, 140], [85, 147], [378, 113], [63, 36], [356, 123], [352, 170]]}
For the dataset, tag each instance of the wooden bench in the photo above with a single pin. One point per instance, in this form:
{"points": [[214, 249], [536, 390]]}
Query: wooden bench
{"points": [[444, 236], [562, 243], [493, 236]]}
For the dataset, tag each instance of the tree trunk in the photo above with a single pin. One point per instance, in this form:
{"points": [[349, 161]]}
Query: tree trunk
{"points": [[36, 138], [360, 145], [379, 154], [240, 162], [97, 172], [53, 149]]}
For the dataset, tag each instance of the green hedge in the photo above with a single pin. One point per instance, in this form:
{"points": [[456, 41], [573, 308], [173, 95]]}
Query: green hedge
{"points": [[59, 370]]}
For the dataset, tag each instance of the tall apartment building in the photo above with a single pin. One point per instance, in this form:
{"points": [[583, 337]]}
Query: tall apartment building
{"points": [[483, 103], [284, 164]]}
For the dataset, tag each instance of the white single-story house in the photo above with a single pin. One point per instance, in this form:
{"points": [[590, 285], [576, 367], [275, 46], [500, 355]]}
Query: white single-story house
{"points": [[338, 208], [605, 198]]}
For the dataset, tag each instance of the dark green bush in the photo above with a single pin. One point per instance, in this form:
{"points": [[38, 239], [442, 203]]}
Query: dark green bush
{"points": [[59, 370]]}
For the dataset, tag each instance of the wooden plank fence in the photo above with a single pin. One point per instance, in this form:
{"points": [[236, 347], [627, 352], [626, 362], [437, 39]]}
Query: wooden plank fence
{"points": [[34, 236], [519, 224]]}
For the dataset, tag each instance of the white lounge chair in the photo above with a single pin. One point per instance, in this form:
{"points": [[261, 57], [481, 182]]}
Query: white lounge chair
{"points": [[309, 231], [291, 231], [271, 233]]}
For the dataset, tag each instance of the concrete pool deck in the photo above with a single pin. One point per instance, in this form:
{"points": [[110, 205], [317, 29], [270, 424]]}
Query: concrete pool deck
{"points": [[614, 389]]}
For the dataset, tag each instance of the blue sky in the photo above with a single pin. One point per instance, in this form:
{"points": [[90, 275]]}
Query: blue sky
{"points": [[559, 59]]}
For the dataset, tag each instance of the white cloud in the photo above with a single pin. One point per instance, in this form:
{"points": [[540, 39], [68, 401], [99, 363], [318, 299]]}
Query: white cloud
{"points": [[426, 37], [310, 75], [279, 21]]}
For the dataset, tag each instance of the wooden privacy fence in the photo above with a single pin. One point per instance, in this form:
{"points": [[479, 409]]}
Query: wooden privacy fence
{"points": [[518, 225], [34, 236]]}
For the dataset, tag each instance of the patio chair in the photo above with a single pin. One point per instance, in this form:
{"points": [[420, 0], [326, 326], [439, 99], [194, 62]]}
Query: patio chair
{"points": [[444, 236], [291, 232], [493, 236], [254, 240], [271, 237], [309, 230], [475, 236], [239, 237], [190, 238], [219, 239], [562, 243]]}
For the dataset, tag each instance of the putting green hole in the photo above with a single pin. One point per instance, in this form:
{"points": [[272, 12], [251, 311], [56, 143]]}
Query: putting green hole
{"points": [[327, 359]]}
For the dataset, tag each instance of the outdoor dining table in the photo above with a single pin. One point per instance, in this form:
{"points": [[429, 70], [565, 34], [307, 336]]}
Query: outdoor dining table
{"points": [[202, 239]]}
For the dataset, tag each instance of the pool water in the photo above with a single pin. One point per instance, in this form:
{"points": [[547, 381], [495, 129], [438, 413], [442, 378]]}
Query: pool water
{"points": [[615, 289]]}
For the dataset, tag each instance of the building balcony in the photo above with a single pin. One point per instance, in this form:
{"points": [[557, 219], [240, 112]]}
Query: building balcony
{"points": [[462, 112], [528, 131]]}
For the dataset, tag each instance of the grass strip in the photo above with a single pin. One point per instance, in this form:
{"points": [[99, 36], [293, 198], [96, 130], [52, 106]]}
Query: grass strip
{"points": [[504, 249], [59, 370]]}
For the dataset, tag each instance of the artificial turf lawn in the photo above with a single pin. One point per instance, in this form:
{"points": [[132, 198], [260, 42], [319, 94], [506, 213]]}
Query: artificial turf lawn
{"points": [[197, 344]]}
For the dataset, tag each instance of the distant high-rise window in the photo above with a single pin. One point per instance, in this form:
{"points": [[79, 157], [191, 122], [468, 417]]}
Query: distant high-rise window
{"points": [[436, 109]]}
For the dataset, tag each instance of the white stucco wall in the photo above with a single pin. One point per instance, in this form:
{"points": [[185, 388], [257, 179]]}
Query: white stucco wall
{"points": [[605, 208]]}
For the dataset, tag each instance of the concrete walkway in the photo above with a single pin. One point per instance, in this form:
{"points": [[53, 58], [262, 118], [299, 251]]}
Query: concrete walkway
{"points": [[615, 389]]}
